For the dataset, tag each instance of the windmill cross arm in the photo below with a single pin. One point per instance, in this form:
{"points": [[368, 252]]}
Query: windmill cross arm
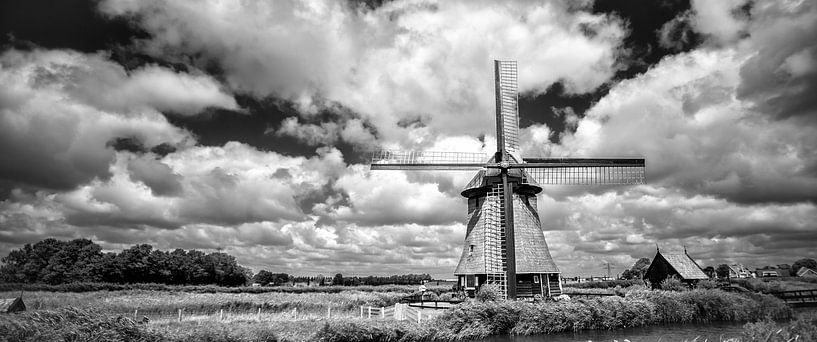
{"points": [[429, 167], [580, 162]]}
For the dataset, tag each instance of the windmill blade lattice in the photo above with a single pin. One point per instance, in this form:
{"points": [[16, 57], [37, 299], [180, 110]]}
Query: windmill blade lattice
{"points": [[507, 107], [585, 171], [426, 160]]}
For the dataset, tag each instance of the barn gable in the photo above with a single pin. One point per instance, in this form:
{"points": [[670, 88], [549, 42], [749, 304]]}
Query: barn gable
{"points": [[9, 305], [666, 265]]}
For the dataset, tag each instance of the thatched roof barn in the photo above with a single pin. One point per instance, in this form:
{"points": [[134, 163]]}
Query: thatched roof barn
{"points": [[9, 305], [682, 266]]}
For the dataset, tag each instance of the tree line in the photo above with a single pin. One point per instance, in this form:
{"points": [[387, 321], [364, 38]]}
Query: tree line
{"points": [[268, 278], [54, 262]]}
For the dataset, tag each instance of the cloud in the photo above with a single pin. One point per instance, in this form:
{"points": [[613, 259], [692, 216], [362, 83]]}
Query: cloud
{"points": [[683, 116], [50, 136], [728, 134], [156, 175], [780, 76], [722, 21], [632, 222], [406, 61], [389, 198]]}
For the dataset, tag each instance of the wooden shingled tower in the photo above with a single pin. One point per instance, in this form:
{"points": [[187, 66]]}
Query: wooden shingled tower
{"points": [[504, 243]]}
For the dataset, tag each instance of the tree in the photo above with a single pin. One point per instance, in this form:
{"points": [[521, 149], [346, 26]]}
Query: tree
{"points": [[805, 262], [264, 277], [722, 271], [338, 279], [638, 269], [710, 271]]}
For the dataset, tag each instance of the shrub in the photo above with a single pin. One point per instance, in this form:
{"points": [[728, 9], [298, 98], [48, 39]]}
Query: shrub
{"points": [[489, 292], [673, 284], [707, 284]]}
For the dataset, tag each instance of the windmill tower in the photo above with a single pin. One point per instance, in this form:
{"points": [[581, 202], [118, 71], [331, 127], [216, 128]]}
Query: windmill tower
{"points": [[504, 243]]}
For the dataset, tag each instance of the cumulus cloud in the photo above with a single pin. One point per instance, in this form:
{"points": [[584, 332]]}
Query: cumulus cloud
{"points": [[55, 126], [728, 134], [683, 116], [427, 63], [727, 130], [781, 76], [723, 21], [386, 198], [631, 223]]}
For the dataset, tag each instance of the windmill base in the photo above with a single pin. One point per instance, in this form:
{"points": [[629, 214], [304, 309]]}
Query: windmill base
{"points": [[528, 285]]}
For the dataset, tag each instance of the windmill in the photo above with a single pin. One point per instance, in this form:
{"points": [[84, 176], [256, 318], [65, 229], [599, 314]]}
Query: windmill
{"points": [[504, 243]]}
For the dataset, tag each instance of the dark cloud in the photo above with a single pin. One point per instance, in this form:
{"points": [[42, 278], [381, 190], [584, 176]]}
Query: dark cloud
{"points": [[782, 76], [159, 177]]}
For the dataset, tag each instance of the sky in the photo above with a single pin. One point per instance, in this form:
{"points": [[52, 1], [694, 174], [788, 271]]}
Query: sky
{"points": [[245, 126]]}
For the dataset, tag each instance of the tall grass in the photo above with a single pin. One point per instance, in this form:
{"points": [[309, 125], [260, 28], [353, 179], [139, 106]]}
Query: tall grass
{"points": [[804, 328], [72, 325], [159, 302]]}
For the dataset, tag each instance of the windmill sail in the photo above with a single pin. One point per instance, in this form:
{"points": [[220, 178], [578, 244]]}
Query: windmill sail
{"points": [[426, 160], [507, 107], [578, 171]]}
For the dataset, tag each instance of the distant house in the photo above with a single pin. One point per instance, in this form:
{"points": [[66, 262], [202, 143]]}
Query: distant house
{"points": [[665, 265], [446, 282], [9, 305], [806, 272], [739, 271], [772, 272]]}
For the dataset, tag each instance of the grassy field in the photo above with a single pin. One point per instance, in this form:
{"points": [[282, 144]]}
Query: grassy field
{"points": [[168, 303], [85, 316], [767, 285]]}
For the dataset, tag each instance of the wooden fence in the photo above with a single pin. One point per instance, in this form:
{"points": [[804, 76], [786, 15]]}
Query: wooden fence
{"points": [[400, 311], [797, 297]]}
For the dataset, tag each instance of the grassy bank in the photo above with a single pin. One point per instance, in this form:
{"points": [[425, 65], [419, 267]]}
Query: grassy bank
{"points": [[767, 285], [804, 328], [622, 283], [471, 320]]}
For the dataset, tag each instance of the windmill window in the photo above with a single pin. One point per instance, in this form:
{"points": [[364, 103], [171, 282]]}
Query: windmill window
{"points": [[536, 279], [470, 249]]}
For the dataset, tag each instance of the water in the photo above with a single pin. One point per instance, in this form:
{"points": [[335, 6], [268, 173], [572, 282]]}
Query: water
{"points": [[666, 333]]}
